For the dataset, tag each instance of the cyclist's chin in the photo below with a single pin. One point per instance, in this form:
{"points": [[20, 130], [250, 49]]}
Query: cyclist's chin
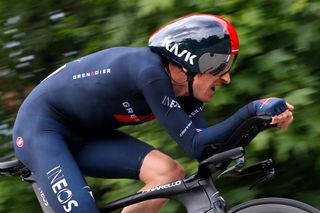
{"points": [[206, 98]]}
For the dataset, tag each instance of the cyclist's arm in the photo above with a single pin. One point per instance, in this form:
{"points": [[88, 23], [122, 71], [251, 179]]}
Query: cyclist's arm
{"points": [[182, 129], [194, 109]]}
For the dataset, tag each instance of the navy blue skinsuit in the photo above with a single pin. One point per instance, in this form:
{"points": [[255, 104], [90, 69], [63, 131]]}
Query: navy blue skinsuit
{"points": [[66, 128]]}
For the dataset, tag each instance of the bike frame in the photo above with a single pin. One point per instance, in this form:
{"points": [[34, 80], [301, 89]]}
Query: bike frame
{"points": [[197, 193]]}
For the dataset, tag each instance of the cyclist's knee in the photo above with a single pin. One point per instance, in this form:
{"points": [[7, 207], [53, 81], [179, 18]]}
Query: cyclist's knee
{"points": [[160, 168]]}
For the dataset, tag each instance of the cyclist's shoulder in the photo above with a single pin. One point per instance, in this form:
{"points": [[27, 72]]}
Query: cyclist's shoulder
{"points": [[134, 57], [145, 65], [138, 52], [142, 56]]}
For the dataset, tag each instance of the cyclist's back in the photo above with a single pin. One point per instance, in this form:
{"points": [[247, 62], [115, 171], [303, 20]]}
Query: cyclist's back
{"points": [[68, 121], [97, 91]]}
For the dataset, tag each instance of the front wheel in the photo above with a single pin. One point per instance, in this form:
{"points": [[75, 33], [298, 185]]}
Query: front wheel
{"points": [[273, 205]]}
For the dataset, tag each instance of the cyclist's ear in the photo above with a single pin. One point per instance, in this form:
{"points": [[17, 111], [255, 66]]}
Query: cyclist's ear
{"points": [[184, 70], [174, 66]]}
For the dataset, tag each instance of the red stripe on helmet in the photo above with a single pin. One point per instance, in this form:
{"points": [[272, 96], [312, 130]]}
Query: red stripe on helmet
{"points": [[232, 33], [234, 39], [230, 28]]}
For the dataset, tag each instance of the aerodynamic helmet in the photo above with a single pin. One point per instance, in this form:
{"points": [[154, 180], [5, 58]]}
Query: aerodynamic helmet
{"points": [[200, 43]]}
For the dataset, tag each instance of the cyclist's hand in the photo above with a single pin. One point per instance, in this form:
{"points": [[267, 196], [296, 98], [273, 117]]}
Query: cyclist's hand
{"points": [[284, 119], [280, 111], [270, 106]]}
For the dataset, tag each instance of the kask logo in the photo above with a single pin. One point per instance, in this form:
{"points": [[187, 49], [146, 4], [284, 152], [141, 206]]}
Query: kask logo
{"points": [[174, 48]]}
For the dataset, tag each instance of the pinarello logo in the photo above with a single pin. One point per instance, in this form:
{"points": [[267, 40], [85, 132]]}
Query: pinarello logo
{"points": [[19, 142]]}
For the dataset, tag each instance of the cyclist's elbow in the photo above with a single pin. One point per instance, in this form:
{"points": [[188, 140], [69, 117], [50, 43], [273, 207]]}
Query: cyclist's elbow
{"points": [[195, 151]]}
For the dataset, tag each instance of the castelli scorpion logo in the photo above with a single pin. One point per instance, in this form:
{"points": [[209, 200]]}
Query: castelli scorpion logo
{"points": [[19, 142]]}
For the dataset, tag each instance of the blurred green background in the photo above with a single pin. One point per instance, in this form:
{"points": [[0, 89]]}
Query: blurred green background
{"points": [[279, 56]]}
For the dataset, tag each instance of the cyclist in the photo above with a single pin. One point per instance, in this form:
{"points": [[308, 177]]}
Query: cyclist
{"points": [[67, 126]]}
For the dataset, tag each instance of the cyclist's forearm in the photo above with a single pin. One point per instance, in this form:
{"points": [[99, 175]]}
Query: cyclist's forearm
{"points": [[220, 132], [189, 129]]}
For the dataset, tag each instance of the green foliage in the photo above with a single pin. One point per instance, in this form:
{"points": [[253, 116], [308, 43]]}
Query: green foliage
{"points": [[17, 197], [279, 56]]}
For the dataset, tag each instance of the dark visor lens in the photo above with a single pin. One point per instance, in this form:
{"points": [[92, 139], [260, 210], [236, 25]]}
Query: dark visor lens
{"points": [[224, 66]]}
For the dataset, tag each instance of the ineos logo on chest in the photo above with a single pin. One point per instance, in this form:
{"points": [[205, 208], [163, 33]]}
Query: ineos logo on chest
{"points": [[167, 101]]}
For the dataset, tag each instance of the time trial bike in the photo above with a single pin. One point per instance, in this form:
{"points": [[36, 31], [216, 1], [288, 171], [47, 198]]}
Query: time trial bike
{"points": [[197, 192]]}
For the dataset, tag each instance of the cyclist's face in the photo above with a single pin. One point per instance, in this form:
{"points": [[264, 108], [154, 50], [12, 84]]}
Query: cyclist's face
{"points": [[204, 85]]}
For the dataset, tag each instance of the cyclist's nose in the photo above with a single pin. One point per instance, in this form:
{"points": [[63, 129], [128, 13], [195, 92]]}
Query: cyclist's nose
{"points": [[226, 78]]}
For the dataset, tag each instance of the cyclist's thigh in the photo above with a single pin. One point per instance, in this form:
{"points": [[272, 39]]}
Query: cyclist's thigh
{"points": [[46, 154], [115, 155]]}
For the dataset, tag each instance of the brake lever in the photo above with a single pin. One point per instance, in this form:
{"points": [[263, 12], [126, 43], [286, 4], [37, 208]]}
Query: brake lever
{"points": [[263, 166], [269, 176], [234, 169]]}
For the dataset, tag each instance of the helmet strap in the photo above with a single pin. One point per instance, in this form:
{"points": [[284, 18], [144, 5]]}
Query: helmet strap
{"points": [[190, 78]]}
